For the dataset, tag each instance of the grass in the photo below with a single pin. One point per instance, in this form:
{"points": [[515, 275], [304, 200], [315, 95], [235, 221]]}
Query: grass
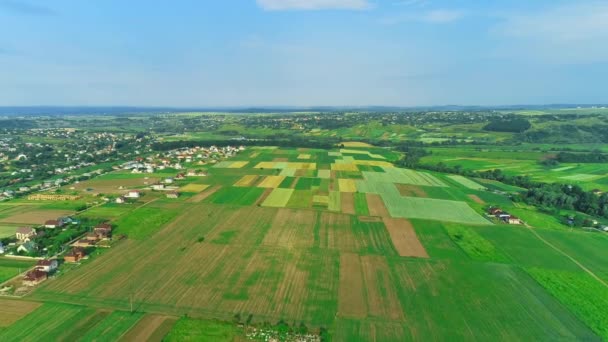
{"points": [[187, 329], [112, 327], [580, 293], [361, 204], [9, 268], [474, 245], [144, 222], [466, 182], [236, 195]]}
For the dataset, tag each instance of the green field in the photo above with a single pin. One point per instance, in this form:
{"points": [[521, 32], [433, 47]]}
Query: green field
{"points": [[365, 252]]}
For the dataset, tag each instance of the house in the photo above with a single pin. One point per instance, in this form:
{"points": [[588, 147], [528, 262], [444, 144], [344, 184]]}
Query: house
{"points": [[25, 233], [103, 231], [514, 220], [158, 187], [34, 277], [51, 224], [172, 194], [74, 255], [597, 192], [120, 200], [83, 243], [494, 211], [91, 237], [27, 247], [169, 180], [604, 228], [47, 265], [133, 194], [180, 176]]}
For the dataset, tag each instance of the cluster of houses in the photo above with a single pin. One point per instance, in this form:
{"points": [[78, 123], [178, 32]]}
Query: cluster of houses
{"points": [[176, 158], [45, 267], [40, 272], [101, 232], [504, 216]]}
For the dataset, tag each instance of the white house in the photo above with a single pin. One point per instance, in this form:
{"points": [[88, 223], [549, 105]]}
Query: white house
{"points": [[158, 187], [133, 194], [46, 265], [120, 200]]}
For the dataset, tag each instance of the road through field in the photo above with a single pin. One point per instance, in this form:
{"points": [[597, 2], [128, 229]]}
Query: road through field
{"points": [[567, 256]]}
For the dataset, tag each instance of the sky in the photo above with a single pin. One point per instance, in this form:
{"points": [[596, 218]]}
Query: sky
{"points": [[234, 53]]}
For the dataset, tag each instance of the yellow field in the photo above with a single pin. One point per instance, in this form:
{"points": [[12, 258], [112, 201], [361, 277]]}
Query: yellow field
{"points": [[271, 182], [355, 144], [238, 164], [246, 180], [194, 187], [344, 167], [347, 185], [286, 165], [373, 163], [304, 156]]}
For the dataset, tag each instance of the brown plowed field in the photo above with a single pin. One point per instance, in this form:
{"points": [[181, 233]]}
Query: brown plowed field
{"points": [[404, 238]]}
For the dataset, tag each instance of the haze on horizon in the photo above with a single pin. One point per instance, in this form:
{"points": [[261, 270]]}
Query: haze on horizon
{"points": [[302, 52]]}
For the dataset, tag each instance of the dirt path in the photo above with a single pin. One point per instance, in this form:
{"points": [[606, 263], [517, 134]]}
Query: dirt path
{"points": [[567, 256]]}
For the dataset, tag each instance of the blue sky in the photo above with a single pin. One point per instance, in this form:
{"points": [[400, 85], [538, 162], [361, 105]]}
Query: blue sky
{"points": [[302, 52]]}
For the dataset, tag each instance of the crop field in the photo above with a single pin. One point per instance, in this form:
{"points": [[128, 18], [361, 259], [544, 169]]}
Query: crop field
{"points": [[112, 186], [278, 198], [32, 215], [332, 239], [13, 310], [467, 182], [9, 268]]}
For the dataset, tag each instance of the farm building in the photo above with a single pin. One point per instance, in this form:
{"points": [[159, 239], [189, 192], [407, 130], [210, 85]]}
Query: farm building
{"points": [[51, 224], [494, 211], [120, 200], [25, 233], [83, 243], [514, 220], [103, 230], [92, 237], [46, 265], [74, 255], [133, 194], [34, 277], [172, 194]]}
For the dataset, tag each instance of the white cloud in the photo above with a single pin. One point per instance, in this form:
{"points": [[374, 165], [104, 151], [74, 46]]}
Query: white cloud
{"points": [[574, 33], [440, 16], [311, 5]]}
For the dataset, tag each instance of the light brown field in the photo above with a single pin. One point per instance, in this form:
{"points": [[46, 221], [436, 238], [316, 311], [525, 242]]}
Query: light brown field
{"points": [[280, 159], [376, 206], [212, 280], [204, 194], [344, 167], [192, 187], [411, 190], [369, 219], [291, 228], [150, 328], [112, 186], [476, 199], [246, 180], [304, 156], [351, 299], [13, 310], [382, 299], [238, 164], [271, 182], [36, 216], [347, 200], [404, 238], [355, 144]]}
